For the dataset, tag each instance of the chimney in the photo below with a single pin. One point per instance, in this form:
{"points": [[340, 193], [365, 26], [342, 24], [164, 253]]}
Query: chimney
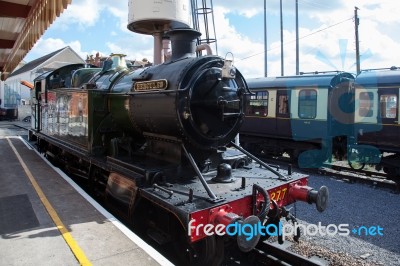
{"points": [[183, 42]]}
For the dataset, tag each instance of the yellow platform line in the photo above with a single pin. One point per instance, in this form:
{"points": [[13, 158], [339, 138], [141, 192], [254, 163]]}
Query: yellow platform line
{"points": [[73, 245]]}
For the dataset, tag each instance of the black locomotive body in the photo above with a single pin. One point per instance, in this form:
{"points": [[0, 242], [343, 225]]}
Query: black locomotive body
{"points": [[158, 143]]}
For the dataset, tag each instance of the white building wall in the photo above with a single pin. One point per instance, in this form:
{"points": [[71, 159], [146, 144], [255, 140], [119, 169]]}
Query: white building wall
{"points": [[13, 86], [21, 94]]}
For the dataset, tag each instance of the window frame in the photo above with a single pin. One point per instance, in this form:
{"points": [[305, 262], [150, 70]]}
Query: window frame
{"points": [[386, 105], [300, 101], [370, 109], [261, 97]]}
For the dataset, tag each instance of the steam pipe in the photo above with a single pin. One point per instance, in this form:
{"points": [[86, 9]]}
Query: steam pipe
{"points": [[204, 46], [157, 48], [166, 50]]}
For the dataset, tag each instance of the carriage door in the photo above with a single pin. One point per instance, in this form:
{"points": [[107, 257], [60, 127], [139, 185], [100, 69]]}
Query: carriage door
{"points": [[388, 112], [283, 125]]}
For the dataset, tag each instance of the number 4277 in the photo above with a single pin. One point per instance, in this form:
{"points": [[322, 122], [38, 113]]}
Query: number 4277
{"points": [[278, 194]]}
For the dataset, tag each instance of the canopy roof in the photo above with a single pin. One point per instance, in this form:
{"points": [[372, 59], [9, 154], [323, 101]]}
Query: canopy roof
{"points": [[22, 23]]}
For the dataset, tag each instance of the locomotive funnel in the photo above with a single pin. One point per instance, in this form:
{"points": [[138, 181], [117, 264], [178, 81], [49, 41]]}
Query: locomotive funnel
{"points": [[183, 43]]}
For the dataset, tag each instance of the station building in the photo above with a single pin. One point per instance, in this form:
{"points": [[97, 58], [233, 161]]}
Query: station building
{"points": [[14, 95]]}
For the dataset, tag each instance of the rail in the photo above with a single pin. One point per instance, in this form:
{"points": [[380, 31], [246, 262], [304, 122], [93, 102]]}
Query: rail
{"points": [[267, 253]]}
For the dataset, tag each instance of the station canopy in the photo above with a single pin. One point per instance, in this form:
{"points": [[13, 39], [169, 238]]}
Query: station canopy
{"points": [[22, 23]]}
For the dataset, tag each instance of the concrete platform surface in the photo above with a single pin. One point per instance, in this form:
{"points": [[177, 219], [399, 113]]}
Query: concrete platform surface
{"points": [[29, 234]]}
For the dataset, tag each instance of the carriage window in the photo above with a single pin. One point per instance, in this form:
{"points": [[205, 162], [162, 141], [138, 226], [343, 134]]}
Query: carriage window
{"points": [[366, 104], [283, 107], [308, 104], [388, 104], [258, 104]]}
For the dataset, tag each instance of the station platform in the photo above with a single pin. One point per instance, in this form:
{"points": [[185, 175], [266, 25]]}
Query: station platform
{"points": [[46, 219]]}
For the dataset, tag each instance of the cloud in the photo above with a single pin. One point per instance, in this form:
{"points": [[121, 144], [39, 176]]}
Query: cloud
{"points": [[251, 8], [92, 11], [135, 46], [326, 31], [249, 54], [241, 46], [84, 13], [45, 46]]}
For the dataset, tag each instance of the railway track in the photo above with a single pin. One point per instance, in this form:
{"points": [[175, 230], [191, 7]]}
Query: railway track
{"points": [[271, 253], [372, 178], [345, 173], [279, 255]]}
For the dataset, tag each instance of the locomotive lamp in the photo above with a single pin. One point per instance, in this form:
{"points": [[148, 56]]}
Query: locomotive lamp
{"points": [[228, 70]]}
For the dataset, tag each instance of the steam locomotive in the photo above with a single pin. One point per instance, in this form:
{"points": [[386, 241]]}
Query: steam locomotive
{"points": [[157, 143]]}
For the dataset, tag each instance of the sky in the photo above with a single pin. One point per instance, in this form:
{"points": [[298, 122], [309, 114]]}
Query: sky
{"points": [[326, 34]]}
